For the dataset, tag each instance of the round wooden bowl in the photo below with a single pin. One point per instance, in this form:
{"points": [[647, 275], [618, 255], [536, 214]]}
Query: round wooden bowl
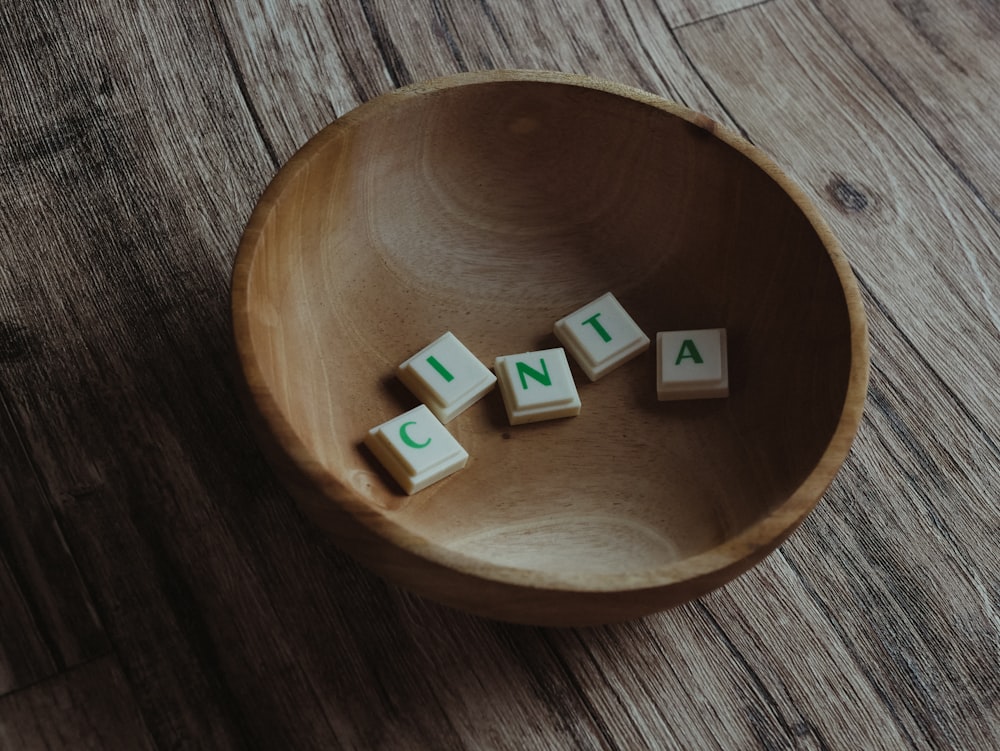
{"points": [[491, 205]]}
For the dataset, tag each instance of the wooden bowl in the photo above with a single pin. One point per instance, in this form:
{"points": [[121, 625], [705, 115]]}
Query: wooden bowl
{"points": [[491, 205]]}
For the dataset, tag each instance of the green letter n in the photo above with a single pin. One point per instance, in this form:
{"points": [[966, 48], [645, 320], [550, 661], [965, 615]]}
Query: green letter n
{"points": [[689, 350], [526, 370]]}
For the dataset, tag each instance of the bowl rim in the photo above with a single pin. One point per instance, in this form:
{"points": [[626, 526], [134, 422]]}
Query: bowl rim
{"points": [[751, 544]]}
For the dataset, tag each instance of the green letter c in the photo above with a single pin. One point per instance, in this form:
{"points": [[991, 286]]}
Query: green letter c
{"points": [[406, 436]]}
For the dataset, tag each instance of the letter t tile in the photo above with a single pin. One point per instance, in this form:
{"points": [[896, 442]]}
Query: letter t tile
{"points": [[601, 336]]}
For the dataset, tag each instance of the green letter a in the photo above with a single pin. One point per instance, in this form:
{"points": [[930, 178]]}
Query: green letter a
{"points": [[689, 350]]}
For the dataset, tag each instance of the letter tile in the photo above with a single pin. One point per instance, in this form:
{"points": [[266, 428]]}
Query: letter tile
{"points": [[601, 336], [537, 386], [416, 449], [446, 377], [691, 365]]}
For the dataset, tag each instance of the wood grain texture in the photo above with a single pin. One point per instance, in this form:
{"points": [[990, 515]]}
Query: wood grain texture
{"points": [[88, 707], [133, 145], [927, 55], [684, 12], [23, 659], [50, 623]]}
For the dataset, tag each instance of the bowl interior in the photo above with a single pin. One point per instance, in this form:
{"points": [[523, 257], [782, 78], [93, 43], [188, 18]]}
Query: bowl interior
{"points": [[493, 209]]}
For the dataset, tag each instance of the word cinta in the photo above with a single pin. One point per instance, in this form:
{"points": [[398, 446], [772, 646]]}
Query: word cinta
{"points": [[416, 447]]}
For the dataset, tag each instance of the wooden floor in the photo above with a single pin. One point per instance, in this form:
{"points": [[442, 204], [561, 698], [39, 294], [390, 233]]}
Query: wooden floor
{"points": [[159, 590]]}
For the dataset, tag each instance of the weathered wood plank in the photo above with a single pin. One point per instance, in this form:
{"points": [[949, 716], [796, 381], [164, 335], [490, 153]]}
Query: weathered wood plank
{"points": [[302, 65], [683, 12], [323, 61], [313, 652], [629, 45], [233, 620], [137, 253], [58, 627], [24, 655], [909, 590], [908, 223], [24, 658], [735, 670], [913, 592], [497, 685], [87, 707], [938, 60]]}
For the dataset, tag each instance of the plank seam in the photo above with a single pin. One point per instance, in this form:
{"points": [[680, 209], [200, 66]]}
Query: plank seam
{"points": [[701, 77], [48, 640], [65, 672], [714, 16]]}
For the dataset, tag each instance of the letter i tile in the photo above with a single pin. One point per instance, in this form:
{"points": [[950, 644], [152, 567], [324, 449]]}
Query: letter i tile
{"points": [[416, 449], [446, 376]]}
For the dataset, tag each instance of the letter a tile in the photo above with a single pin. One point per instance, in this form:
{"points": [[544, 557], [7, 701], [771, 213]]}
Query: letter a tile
{"points": [[691, 365]]}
